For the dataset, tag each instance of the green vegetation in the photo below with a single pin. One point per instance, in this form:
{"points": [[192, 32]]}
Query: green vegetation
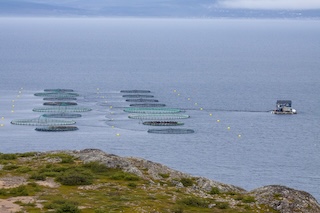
{"points": [[92, 187]]}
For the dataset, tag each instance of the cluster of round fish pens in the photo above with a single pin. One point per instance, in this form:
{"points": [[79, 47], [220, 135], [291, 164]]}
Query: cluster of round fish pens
{"points": [[60, 105], [154, 113]]}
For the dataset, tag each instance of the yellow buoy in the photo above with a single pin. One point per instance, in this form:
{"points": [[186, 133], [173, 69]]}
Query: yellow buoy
{"points": [[12, 106], [201, 108], [112, 126], [12, 100], [239, 136], [178, 94], [210, 114], [196, 104], [110, 107], [1, 124], [118, 134], [12, 110], [2, 118], [174, 90], [189, 99], [218, 120], [228, 128]]}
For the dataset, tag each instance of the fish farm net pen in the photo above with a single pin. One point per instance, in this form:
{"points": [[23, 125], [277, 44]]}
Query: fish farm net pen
{"points": [[58, 90], [158, 116], [56, 95], [56, 128], [152, 110], [163, 123], [41, 122], [62, 109], [171, 131], [62, 115]]}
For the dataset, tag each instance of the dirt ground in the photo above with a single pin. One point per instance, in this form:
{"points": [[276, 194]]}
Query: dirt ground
{"points": [[9, 205]]}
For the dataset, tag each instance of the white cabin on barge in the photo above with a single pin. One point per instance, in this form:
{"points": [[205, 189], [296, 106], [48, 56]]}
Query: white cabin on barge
{"points": [[284, 107]]}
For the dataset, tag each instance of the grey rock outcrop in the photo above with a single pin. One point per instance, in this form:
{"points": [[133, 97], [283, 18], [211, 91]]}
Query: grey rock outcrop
{"points": [[286, 200], [279, 198]]}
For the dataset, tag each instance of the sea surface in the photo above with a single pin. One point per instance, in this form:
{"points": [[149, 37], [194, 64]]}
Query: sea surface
{"points": [[226, 74]]}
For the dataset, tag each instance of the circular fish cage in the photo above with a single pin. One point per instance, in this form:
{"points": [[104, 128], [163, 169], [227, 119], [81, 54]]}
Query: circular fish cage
{"points": [[152, 110], [158, 116], [171, 131], [135, 91], [141, 100], [60, 99], [56, 128], [60, 103], [41, 122], [58, 90], [57, 94], [62, 109], [138, 96], [147, 105], [62, 115], [163, 123]]}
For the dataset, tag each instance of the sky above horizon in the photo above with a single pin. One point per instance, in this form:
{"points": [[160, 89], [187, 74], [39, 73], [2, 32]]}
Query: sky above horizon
{"points": [[270, 4]]}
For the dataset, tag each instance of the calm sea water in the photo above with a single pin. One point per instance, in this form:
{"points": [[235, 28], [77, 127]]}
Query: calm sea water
{"points": [[226, 74]]}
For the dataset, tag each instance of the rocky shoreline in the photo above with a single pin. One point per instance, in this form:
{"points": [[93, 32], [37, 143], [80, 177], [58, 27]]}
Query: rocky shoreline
{"points": [[276, 197], [279, 198]]}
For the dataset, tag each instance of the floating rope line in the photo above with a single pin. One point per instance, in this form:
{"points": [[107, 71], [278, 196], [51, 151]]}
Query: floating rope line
{"points": [[58, 90], [60, 103], [162, 123], [141, 100], [158, 116], [56, 95], [135, 91], [62, 115], [56, 128], [41, 122], [60, 99], [171, 131], [148, 105], [138, 96], [62, 109], [153, 110]]}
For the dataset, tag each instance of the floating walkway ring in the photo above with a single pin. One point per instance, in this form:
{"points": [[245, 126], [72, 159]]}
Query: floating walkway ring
{"points": [[62, 115], [148, 105], [138, 96], [60, 99], [41, 122], [56, 95], [158, 116], [58, 90], [163, 123], [171, 131], [152, 110], [56, 128], [62, 109], [141, 100], [135, 91], [59, 103]]}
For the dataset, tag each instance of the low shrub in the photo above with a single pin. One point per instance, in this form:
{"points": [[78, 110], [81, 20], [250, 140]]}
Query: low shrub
{"points": [[124, 176], [75, 179], [96, 167], [186, 182], [10, 167], [194, 201], [8, 156], [214, 191]]}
